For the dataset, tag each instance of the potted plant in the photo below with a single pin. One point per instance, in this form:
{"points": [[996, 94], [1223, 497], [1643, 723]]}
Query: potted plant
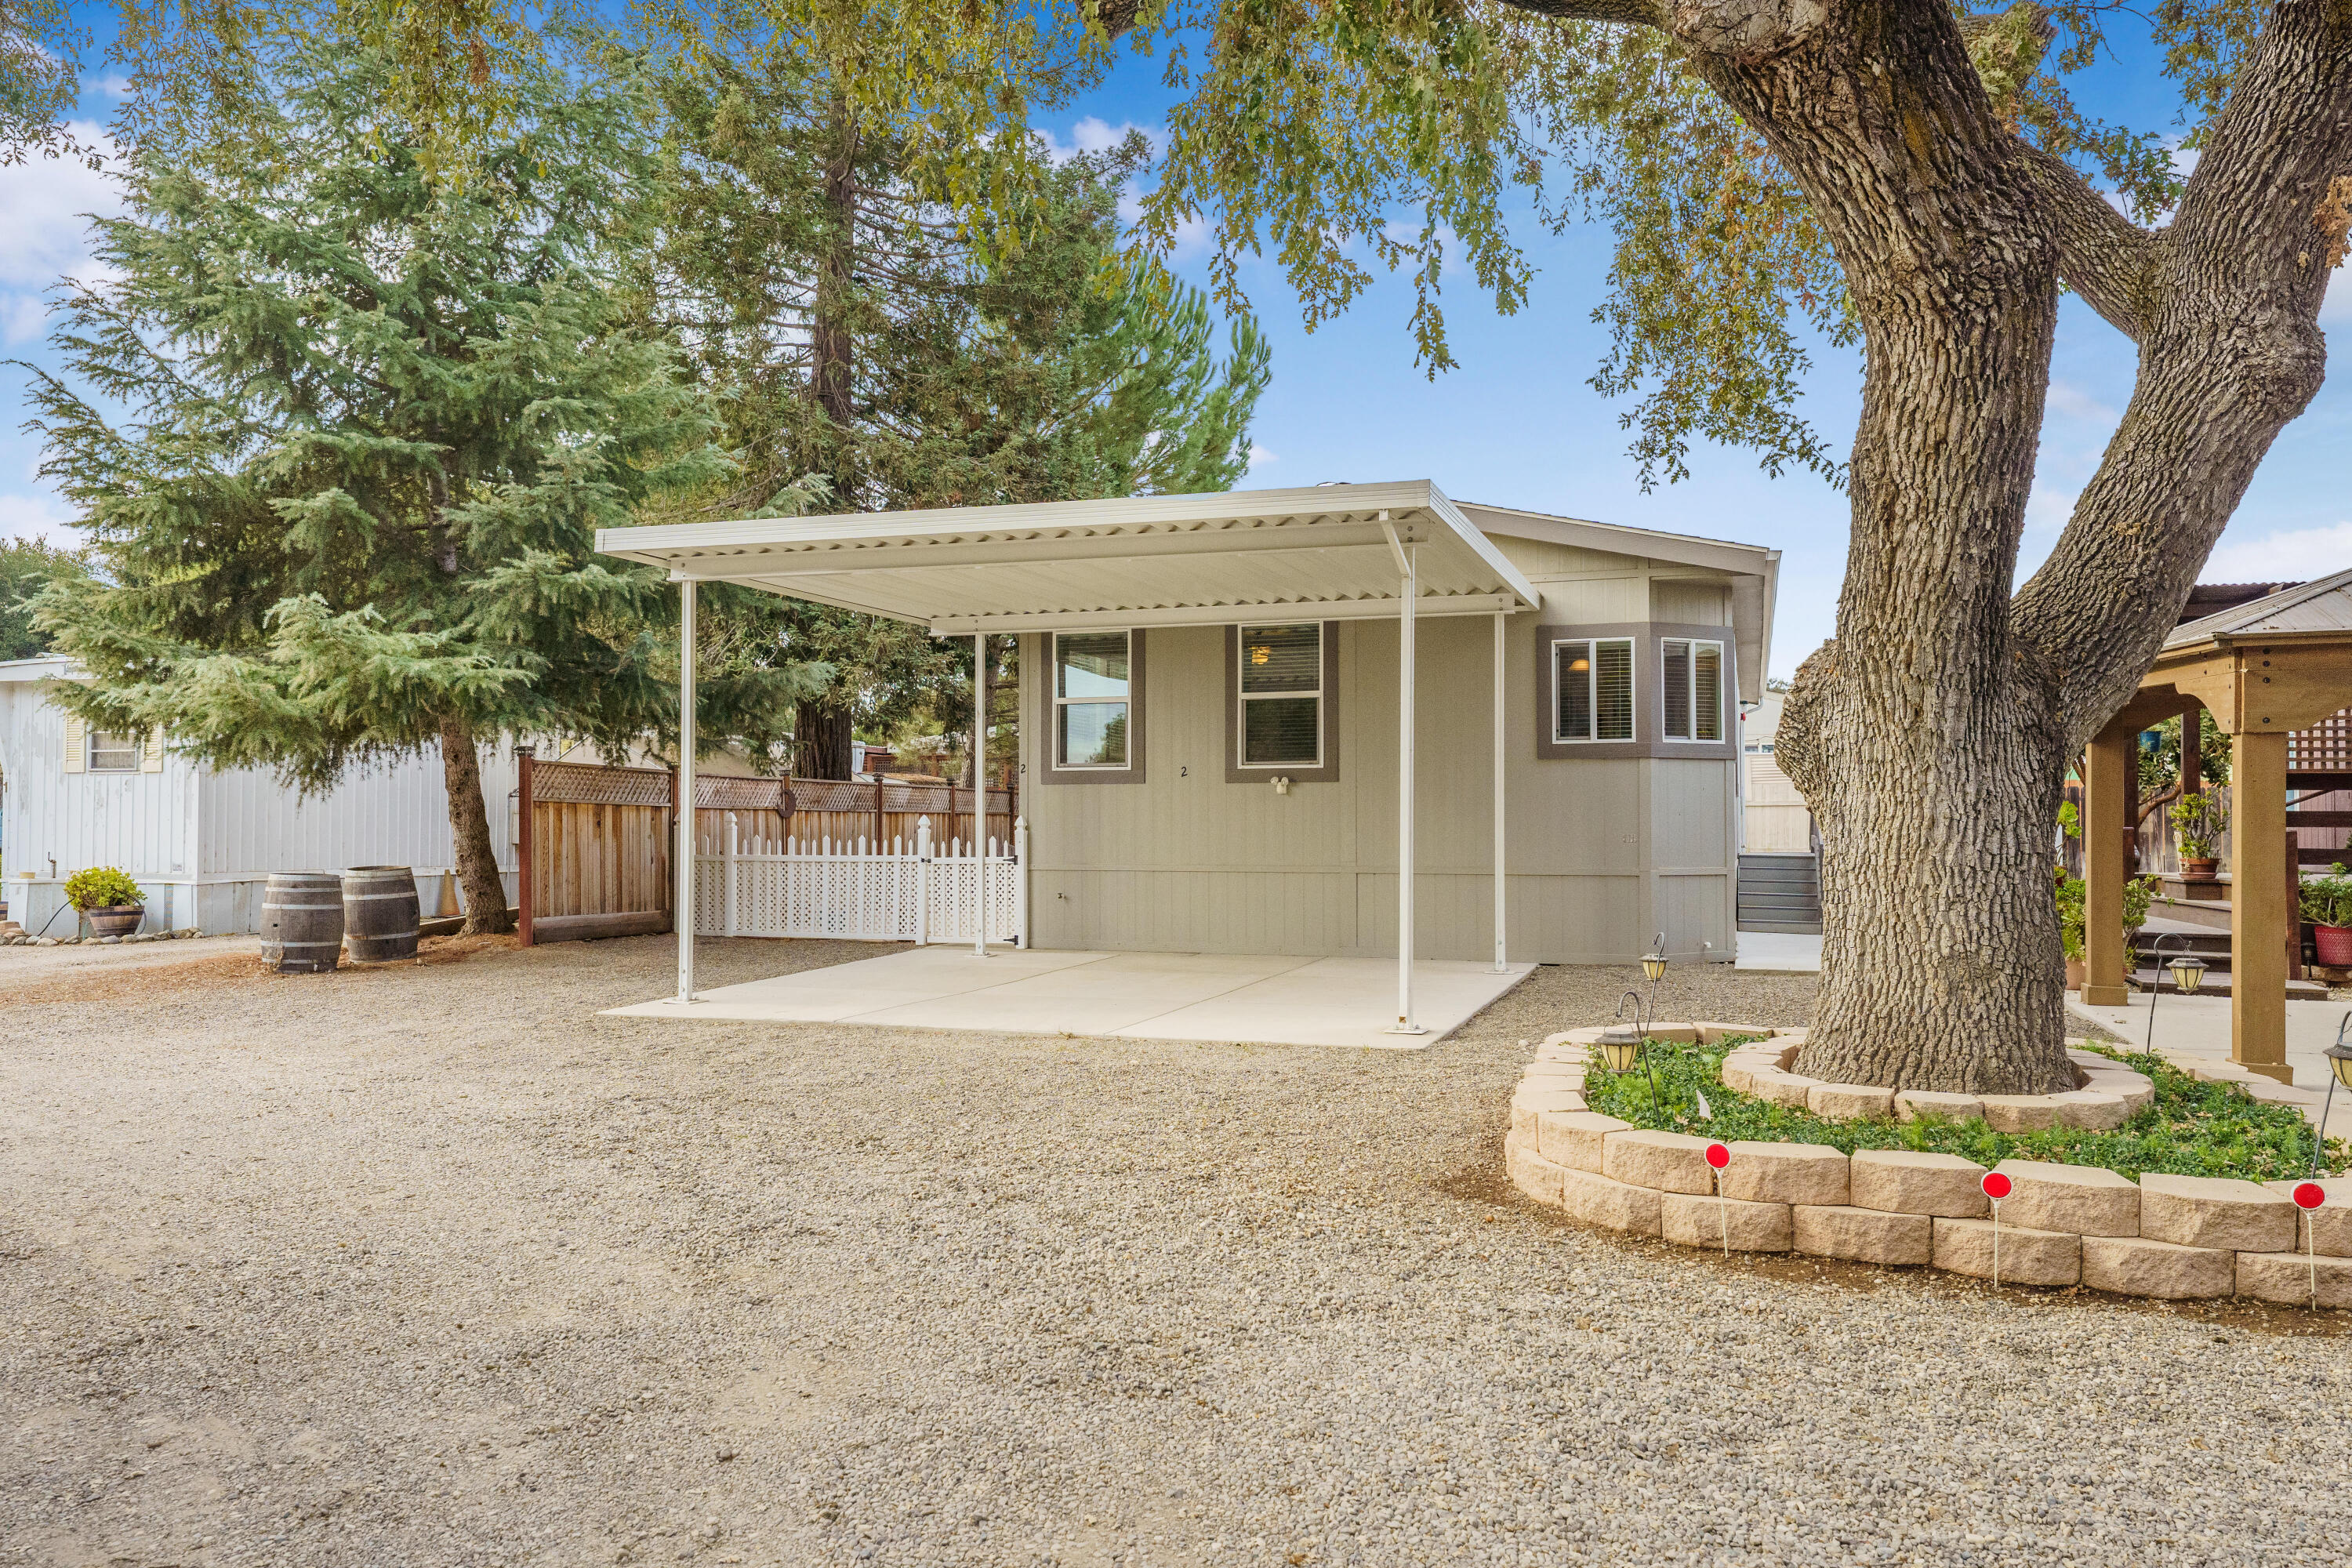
{"points": [[2326, 906], [2139, 892], [2198, 820], [108, 898]]}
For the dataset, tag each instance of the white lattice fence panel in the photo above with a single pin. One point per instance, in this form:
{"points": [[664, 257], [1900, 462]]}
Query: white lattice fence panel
{"points": [[856, 889]]}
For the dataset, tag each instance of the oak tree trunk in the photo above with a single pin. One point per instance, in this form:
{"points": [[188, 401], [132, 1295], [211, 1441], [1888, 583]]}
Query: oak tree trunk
{"points": [[1930, 737], [470, 829]]}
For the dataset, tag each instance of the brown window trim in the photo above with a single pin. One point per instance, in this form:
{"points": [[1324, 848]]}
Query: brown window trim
{"points": [[1049, 744], [1649, 693], [1329, 772]]}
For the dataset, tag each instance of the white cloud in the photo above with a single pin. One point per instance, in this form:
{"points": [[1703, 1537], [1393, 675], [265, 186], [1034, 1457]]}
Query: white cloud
{"points": [[46, 235], [2294, 555], [2073, 402], [46, 239], [1259, 458], [38, 515], [21, 318]]}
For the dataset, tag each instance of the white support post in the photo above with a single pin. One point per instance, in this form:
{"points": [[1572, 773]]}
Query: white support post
{"points": [[922, 843], [980, 794], [733, 849], [682, 916], [1502, 756], [1405, 1025], [1021, 881]]}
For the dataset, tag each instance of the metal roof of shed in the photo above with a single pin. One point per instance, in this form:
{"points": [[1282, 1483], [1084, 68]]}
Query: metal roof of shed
{"points": [[1145, 561]]}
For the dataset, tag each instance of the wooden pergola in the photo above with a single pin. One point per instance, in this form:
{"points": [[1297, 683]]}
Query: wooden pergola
{"points": [[2266, 669]]}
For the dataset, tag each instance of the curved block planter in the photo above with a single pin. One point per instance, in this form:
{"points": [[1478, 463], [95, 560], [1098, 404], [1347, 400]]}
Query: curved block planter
{"points": [[2171, 1238]]}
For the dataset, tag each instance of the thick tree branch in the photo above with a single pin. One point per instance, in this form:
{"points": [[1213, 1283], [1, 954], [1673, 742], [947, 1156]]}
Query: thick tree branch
{"points": [[1633, 13], [2110, 260], [2231, 351]]}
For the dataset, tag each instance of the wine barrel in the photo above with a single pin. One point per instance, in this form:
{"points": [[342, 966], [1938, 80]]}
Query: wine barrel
{"points": [[302, 922], [379, 913]]}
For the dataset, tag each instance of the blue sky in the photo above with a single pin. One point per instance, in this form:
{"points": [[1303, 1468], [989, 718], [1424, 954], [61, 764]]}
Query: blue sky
{"points": [[1515, 425]]}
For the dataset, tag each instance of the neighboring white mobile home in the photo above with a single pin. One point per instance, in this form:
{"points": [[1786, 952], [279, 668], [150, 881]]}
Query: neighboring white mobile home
{"points": [[201, 842]]}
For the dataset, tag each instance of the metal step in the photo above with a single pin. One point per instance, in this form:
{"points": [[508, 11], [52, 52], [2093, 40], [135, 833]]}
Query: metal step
{"points": [[1779, 894]]}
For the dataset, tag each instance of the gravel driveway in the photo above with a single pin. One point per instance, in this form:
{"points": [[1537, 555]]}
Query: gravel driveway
{"points": [[430, 1265]]}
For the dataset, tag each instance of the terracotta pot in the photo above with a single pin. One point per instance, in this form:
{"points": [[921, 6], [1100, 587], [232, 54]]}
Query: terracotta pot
{"points": [[116, 919], [2200, 870], [2077, 970], [2334, 945]]}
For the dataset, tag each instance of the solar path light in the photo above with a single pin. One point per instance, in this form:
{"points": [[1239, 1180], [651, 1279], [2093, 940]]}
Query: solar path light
{"points": [[2188, 973]]}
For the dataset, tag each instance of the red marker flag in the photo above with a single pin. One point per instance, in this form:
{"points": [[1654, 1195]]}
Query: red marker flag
{"points": [[2307, 1195], [1718, 1156], [1995, 1186]]}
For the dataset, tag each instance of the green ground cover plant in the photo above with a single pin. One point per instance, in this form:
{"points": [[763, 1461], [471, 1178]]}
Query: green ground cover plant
{"points": [[2192, 1129]]}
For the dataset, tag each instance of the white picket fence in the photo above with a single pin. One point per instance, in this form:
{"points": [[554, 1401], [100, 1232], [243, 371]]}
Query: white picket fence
{"points": [[901, 891]]}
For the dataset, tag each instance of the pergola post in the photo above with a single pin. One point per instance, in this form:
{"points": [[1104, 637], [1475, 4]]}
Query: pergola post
{"points": [[2260, 902], [682, 916], [1405, 1024], [2111, 757], [1502, 756]]}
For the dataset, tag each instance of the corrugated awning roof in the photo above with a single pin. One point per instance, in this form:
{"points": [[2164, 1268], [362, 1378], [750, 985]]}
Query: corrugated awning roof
{"points": [[1141, 562]]}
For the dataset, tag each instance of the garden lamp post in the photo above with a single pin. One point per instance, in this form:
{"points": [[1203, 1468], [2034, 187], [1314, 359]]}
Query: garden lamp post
{"points": [[2188, 973], [1653, 969], [1624, 1047], [2339, 1070]]}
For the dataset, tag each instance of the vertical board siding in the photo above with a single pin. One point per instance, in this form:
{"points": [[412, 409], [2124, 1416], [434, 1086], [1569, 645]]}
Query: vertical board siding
{"points": [[1599, 850]]}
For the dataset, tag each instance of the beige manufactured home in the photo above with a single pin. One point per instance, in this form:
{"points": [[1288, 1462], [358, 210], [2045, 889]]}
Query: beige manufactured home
{"points": [[1226, 698]]}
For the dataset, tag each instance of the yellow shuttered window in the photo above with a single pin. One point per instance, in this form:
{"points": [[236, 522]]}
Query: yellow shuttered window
{"points": [[77, 744]]}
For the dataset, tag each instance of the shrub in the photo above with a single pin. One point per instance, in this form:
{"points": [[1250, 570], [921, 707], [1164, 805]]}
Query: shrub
{"points": [[101, 886], [2328, 900], [2198, 820], [2191, 1129]]}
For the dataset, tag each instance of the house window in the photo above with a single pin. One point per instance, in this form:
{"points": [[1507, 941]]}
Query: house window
{"points": [[1594, 680], [1282, 696], [114, 752], [1091, 699], [1691, 677]]}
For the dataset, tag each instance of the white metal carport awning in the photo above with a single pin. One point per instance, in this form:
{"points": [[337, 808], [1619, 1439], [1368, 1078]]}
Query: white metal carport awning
{"points": [[1328, 552], [1147, 561]]}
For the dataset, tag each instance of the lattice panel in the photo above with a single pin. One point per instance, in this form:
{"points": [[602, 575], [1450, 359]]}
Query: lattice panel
{"points": [[2325, 748], [592, 785], [849, 890]]}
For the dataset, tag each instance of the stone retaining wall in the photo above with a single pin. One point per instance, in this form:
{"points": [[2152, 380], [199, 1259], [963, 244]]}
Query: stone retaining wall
{"points": [[2175, 1238]]}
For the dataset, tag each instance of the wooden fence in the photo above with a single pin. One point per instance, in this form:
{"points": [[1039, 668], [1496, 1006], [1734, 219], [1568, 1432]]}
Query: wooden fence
{"points": [[596, 842]]}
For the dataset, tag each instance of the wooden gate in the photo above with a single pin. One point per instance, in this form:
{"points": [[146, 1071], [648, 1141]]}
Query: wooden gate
{"points": [[595, 850]]}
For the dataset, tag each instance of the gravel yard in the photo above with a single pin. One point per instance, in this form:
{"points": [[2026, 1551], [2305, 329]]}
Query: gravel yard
{"points": [[431, 1266]]}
